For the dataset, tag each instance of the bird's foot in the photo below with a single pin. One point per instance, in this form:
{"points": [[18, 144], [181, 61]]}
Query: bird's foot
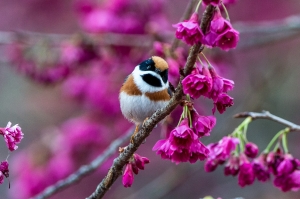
{"points": [[135, 132]]}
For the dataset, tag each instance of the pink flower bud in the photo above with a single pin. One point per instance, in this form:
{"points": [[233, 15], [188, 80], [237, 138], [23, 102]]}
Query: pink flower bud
{"points": [[140, 161], [251, 150], [128, 176], [246, 175]]}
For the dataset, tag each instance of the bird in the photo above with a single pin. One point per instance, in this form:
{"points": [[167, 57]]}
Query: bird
{"points": [[144, 91]]}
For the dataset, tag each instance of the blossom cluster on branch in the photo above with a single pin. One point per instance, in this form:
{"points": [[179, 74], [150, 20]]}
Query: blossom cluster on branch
{"points": [[241, 158], [12, 136]]}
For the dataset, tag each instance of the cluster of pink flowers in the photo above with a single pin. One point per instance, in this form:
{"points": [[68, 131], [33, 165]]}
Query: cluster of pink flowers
{"points": [[206, 82], [182, 144], [284, 167], [75, 143], [12, 135], [221, 33], [57, 65], [135, 163]]}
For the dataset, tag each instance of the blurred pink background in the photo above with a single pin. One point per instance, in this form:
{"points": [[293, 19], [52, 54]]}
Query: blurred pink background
{"points": [[266, 78]]}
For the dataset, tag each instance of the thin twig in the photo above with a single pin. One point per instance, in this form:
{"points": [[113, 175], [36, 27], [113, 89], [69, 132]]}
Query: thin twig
{"points": [[116, 169], [86, 169], [269, 116]]}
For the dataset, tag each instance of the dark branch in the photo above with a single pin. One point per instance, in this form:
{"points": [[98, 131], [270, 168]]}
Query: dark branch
{"points": [[269, 116], [86, 169], [116, 169]]}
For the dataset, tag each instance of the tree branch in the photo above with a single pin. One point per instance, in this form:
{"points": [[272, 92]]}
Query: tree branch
{"points": [[269, 116], [86, 169], [116, 169]]}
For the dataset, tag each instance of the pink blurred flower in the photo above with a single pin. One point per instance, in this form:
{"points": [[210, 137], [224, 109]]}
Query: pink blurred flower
{"points": [[260, 169], [211, 165], [203, 124], [288, 182], [232, 167], [223, 101], [196, 85], [273, 159], [222, 149], [4, 171], [128, 176], [12, 135], [251, 150], [212, 2], [246, 175], [287, 165], [189, 30], [78, 52]]}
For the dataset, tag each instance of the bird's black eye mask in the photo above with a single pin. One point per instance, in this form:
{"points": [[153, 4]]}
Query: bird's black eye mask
{"points": [[149, 65]]}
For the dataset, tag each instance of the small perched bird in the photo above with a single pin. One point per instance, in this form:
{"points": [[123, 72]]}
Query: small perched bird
{"points": [[145, 90]]}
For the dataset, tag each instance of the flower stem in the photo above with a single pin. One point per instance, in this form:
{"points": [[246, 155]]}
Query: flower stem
{"points": [[241, 126], [286, 130], [209, 65], [284, 143], [198, 5], [225, 10]]}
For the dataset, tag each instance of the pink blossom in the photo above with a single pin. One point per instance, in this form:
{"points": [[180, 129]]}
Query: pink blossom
{"points": [[273, 160], [198, 151], [140, 161], [219, 85], [221, 33], [203, 124], [223, 101], [288, 182], [246, 175], [222, 150], [4, 168], [4, 171], [182, 136], [196, 85], [287, 165], [128, 176], [12, 135], [182, 145], [211, 165], [260, 169], [251, 150], [189, 30], [228, 40], [232, 167]]}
